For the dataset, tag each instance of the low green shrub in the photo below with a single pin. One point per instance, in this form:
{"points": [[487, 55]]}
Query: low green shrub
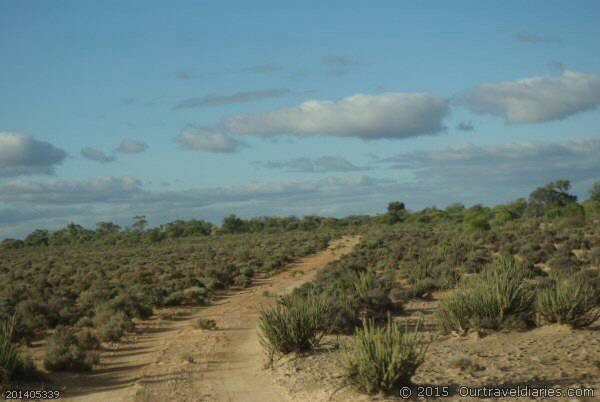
{"points": [[569, 302], [294, 324], [381, 359], [111, 325], [64, 353], [88, 340]]}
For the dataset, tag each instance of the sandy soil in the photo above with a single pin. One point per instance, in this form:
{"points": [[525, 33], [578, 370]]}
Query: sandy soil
{"points": [[174, 361]]}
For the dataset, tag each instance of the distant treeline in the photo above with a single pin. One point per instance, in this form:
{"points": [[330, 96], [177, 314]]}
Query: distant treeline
{"points": [[552, 201], [111, 233]]}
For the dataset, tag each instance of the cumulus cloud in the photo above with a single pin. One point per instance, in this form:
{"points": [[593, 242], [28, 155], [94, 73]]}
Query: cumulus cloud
{"points": [[238, 97], [129, 146], [465, 126], [533, 38], [537, 99], [517, 165], [96, 155], [318, 165], [209, 139], [388, 115], [21, 154]]}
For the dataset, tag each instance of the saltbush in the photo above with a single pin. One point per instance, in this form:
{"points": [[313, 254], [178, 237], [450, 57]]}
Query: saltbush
{"points": [[64, 353]]}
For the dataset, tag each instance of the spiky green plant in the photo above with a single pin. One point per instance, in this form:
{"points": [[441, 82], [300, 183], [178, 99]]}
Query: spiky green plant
{"points": [[10, 359], [505, 280], [380, 359], [569, 302], [496, 298], [294, 324], [364, 283]]}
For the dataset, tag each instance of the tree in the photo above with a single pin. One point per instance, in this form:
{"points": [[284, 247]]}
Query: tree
{"points": [[396, 207], [553, 195], [233, 224], [396, 211], [107, 227], [37, 238], [139, 223]]}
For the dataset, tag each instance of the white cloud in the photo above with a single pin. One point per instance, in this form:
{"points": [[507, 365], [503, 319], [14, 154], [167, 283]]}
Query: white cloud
{"points": [[46, 204], [318, 165], [537, 99], [469, 174], [21, 154], [96, 155], [238, 97], [209, 139], [128, 146], [517, 165], [70, 192], [388, 115]]}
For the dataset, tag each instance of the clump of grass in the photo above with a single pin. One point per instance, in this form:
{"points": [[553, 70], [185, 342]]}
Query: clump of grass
{"points": [[497, 298], [569, 302], [205, 323], [466, 365], [294, 324], [381, 359]]}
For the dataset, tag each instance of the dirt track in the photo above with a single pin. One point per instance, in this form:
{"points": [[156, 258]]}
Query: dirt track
{"points": [[173, 361]]}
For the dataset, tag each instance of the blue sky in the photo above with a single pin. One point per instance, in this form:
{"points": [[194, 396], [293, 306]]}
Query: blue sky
{"points": [[208, 97]]}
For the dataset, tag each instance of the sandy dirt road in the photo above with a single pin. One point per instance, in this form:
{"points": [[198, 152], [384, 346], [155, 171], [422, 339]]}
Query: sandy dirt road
{"points": [[174, 361]]}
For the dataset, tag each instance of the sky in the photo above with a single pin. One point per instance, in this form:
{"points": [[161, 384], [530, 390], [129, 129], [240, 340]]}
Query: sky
{"points": [[196, 110]]}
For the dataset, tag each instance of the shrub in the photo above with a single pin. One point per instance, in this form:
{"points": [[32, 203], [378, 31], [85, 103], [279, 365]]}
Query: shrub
{"points": [[478, 223], [381, 359], [111, 325], [342, 316], [87, 340], [294, 324], [64, 353], [205, 323], [494, 299], [372, 297], [569, 302], [195, 295], [131, 305]]}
